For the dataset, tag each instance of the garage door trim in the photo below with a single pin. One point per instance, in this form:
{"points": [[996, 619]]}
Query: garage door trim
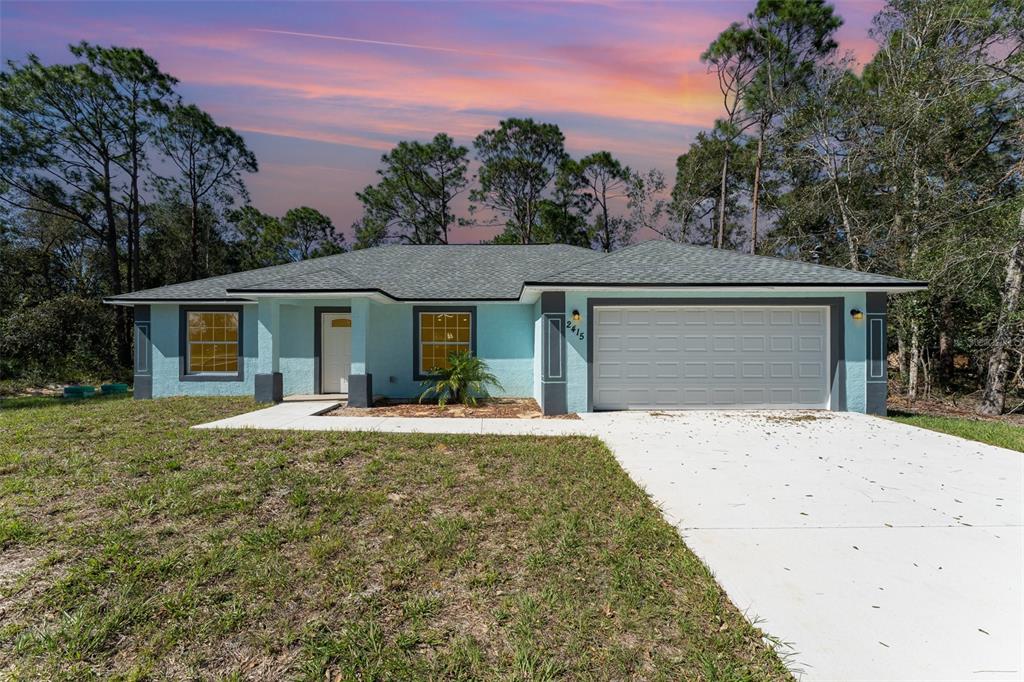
{"points": [[836, 333]]}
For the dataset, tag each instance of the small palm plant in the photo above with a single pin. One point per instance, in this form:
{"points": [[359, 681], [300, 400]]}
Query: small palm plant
{"points": [[464, 380]]}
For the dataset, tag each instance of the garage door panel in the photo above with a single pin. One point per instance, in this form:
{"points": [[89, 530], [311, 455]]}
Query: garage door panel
{"points": [[752, 370], [689, 357], [723, 370], [723, 343], [609, 318], [752, 344], [810, 370], [695, 344], [810, 344]]}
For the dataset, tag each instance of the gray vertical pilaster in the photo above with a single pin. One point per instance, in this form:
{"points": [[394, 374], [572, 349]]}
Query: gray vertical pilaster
{"points": [[877, 389], [553, 371], [143, 370]]}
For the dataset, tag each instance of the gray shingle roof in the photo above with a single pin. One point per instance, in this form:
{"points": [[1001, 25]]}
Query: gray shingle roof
{"points": [[454, 272], [499, 272], [662, 263]]}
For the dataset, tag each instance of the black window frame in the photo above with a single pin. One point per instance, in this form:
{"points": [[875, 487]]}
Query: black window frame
{"points": [[183, 373], [416, 311]]}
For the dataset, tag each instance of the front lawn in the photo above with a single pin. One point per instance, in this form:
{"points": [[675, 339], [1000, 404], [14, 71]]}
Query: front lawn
{"points": [[132, 546], [1005, 434]]}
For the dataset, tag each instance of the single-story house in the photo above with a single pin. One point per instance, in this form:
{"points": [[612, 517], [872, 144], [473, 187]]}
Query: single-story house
{"points": [[657, 325]]}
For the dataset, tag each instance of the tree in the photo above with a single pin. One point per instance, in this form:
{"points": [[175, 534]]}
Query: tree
{"points": [[702, 208], [61, 140], [413, 202], [311, 234], [210, 160], [826, 157], [649, 207], [788, 39], [735, 61], [260, 240], [602, 182], [942, 105], [518, 163], [145, 94]]}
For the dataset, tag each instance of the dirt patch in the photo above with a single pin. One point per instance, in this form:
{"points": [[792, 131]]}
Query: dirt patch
{"points": [[497, 408], [959, 406]]}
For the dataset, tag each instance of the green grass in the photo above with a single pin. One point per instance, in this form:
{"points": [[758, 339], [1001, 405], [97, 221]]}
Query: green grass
{"points": [[133, 547], [1000, 433]]}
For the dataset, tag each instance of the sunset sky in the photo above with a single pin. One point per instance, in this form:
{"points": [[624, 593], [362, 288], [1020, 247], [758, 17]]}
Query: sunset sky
{"points": [[321, 90]]}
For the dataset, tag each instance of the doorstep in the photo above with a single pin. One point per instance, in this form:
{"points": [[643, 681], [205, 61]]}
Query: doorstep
{"points": [[316, 397]]}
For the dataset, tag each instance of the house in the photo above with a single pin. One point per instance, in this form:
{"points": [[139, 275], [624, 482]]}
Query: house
{"points": [[657, 325]]}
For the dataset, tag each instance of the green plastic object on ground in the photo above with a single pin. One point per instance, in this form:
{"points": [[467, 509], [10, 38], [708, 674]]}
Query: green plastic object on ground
{"points": [[114, 389], [79, 391]]}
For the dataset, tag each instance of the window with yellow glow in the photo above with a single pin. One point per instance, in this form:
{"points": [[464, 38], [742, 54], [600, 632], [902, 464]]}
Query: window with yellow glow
{"points": [[212, 342], [442, 334]]}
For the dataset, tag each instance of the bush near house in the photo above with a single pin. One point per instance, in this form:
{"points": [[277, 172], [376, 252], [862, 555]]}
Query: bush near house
{"points": [[464, 380]]}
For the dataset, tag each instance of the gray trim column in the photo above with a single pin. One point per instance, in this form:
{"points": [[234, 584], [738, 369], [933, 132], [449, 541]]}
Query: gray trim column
{"points": [[143, 379], [360, 390], [877, 387], [268, 388], [554, 398]]}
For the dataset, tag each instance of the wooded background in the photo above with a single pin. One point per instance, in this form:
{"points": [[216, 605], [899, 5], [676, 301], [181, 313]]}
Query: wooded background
{"points": [[910, 165]]}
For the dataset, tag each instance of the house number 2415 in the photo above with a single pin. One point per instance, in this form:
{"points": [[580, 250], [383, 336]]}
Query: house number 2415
{"points": [[574, 329]]}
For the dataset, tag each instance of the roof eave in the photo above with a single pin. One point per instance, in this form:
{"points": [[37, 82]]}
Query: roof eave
{"points": [[894, 287], [152, 301]]}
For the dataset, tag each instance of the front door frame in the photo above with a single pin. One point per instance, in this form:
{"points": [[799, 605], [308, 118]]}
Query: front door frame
{"points": [[318, 318]]}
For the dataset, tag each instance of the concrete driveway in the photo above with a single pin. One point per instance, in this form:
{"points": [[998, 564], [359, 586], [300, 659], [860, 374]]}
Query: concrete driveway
{"points": [[875, 550]]}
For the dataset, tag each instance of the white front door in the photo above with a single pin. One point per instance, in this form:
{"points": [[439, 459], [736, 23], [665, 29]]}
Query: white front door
{"points": [[715, 357], [335, 352]]}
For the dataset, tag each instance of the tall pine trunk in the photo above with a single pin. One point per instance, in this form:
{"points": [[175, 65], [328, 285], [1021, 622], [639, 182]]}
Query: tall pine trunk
{"points": [[194, 238], [114, 269], [914, 361], [756, 197], [946, 338], [721, 201], [993, 398]]}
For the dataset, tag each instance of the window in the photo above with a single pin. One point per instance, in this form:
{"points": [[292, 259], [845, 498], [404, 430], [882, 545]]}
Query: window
{"points": [[440, 335], [212, 346]]}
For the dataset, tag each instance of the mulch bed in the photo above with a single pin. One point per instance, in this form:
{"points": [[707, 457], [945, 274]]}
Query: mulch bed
{"points": [[497, 408], [962, 407]]}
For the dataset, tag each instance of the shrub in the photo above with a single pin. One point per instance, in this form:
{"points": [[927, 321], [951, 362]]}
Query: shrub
{"points": [[465, 380]]}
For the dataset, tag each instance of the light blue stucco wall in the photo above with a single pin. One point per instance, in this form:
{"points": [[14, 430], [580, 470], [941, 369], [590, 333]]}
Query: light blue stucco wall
{"points": [[166, 367], [505, 340], [508, 338], [854, 338]]}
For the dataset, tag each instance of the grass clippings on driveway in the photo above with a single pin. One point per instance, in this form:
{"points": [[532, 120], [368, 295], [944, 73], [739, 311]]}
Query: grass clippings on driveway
{"points": [[132, 546], [1004, 434]]}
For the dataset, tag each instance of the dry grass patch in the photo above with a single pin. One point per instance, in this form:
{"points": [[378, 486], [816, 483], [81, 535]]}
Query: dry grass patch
{"points": [[134, 547]]}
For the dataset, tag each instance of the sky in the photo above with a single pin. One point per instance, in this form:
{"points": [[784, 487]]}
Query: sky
{"points": [[319, 90]]}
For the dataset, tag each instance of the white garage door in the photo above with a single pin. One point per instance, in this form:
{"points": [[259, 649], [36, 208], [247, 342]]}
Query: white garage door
{"points": [[687, 357]]}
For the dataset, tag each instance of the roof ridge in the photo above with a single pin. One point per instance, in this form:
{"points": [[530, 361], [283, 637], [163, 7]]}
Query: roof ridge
{"points": [[734, 252], [601, 255], [344, 273], [598, 256]]}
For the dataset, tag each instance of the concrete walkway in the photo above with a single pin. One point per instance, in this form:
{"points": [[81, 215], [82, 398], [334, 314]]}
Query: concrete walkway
{"points": [[306, 416], [876, 551]]}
